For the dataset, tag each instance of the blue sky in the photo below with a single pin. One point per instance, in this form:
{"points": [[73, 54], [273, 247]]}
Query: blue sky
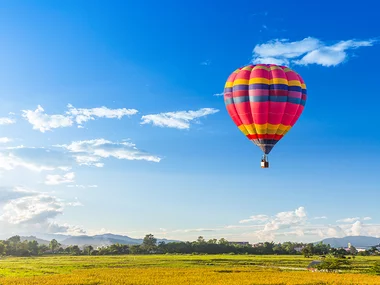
{"points": [[111, 120]]}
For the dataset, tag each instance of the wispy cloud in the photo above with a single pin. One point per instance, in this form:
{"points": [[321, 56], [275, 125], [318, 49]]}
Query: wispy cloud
{"points": [[5, 140], [320, 218], [56, 179], [34, 158], [82, 186], [348, 220], [351, 220], [257, 218], [45, 122], [91, 152], [219, 94], [178, 120], [7, 121], [82, 115], [206, 62], [264, 13], [193, 230], [307, 51]]}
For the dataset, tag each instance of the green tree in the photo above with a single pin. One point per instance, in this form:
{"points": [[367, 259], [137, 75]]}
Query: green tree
{"points": [[223, 241], [306, 251], [375, 269], [33, 247], [13, 245], [149, 243], [42, 249], [136, 249], [201, 240], [88, 249], [331, 263], [2, 248], [353, 250], [54, 244], [75, 250], [212, 241]]}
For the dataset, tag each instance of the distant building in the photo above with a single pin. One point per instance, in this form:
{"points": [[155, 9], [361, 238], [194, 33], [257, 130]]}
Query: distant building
{"points": [[360, 249]]}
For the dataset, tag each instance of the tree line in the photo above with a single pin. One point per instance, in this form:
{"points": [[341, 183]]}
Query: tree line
{"points": [[15, 247]]}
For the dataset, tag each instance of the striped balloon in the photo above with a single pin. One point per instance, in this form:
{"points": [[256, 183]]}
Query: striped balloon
{"points": [[265, 101]]}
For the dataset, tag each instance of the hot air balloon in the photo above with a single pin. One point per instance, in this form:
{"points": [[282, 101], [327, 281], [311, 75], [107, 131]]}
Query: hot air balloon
{"points": [[264, 101]]}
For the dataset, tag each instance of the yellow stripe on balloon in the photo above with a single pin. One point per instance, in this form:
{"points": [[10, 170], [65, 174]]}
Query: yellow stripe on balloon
{"points": [[294, 83], [241, 82], [262, 129], [261, 80], [248, 67], [279, 81]]}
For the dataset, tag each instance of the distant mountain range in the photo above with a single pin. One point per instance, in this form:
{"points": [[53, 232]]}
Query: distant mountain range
{"points": [[31, 238], [97, 240], [108, 239], [356, 241]]}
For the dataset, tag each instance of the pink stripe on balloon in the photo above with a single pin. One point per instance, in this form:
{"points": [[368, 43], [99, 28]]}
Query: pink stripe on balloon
{"points": [[260, 73], [259, 92], [244, 111], [259, 107], [274, 118], [294, 94], [233, 114], [260, 118], [291, 75]]}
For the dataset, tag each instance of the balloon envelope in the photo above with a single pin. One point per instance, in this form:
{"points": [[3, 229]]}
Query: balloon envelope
{"points": [[265, 101]]}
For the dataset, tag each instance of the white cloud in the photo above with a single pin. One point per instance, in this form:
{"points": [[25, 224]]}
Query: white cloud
{"points": [[307, 51], [283, 226], [320, 218], [24, 211], [5, 140], [44, 122], [82, 115], [59, 179], [178, 120], [7, 121], [367, 218], [219, 94], [260, 218], [32, 207], [356, 228], [193, 230], [348, 220], [67, 229], [91, 152], [82, 186]]}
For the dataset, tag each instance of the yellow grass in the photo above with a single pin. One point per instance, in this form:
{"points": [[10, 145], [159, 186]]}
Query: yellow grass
{"points": [[170, 270], [196, 276]]}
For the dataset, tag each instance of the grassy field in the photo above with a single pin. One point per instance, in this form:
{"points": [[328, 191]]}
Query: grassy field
{"points": [[176, 269]]}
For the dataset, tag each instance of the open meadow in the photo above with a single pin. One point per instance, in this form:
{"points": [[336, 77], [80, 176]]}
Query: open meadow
{"points": [[176, 269]]}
